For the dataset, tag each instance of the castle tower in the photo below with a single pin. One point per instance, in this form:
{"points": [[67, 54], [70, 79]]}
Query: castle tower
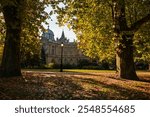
{"points": [[63, 39]]}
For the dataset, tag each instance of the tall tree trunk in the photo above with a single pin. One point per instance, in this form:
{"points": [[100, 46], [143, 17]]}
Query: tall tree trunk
{"points": [[124, 40], [11, 55], [125, 62]]}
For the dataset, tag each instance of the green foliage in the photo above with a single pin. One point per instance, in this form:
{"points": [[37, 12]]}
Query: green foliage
{"points": [[135, 10], [103, 65], [30, 50], [92, 21], [142, 44], [49, 66], [33, 15]]}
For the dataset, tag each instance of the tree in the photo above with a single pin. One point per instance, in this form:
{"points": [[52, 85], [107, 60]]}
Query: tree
{"points": [[2, 29], [101, 24], [11, 56], [21, 16], [2, 36], [43, 56], [124, 34], [30, 50], [142, 44]]}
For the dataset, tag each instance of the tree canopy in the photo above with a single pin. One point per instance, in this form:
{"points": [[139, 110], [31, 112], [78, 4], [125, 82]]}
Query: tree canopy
{"points": [[106, 28], [92, 20]]}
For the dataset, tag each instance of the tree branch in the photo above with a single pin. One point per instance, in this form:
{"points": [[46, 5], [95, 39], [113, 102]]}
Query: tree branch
{"points": [[135, 26]]}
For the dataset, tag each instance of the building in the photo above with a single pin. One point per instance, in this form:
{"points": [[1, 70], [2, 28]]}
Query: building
{"points": [[52, 48]]}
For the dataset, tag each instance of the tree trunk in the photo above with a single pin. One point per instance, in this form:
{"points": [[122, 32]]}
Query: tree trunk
{"points": [[125, 62], [11, 54], [124, 41]]}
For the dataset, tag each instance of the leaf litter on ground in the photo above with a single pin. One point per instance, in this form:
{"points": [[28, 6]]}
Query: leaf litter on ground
{"points": [[35, 85]]}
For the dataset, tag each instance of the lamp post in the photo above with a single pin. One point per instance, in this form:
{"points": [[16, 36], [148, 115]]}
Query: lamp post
{"points": [[61, 63]]}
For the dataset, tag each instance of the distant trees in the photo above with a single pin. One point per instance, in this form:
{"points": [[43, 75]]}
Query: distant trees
{"points": [[108, 28]]}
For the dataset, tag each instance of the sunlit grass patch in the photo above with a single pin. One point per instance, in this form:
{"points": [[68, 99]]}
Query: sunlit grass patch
{"points": [[41, 70], [87, 70]]}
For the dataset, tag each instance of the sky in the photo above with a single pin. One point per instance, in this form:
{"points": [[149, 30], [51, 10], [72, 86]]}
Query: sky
{"points": [[58, 30]]}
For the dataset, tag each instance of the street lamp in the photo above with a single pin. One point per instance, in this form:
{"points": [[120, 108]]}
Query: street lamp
{"points": [[61, 63]]}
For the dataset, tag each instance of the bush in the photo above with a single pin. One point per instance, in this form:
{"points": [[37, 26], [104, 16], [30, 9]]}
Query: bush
{"points": [[104, 65], [57, 66], [141, 66], [50, 66]]}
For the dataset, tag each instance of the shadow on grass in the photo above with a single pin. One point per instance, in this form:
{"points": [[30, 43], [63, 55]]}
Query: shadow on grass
{"points": [[115, 91], [51, 86], [39, 88], [113, 75]]}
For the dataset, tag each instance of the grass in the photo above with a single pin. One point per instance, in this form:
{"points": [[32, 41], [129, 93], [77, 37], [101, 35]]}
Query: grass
{"points": [[78, 70], [41, 70], [87, 71], [70, 70], [74, 84]]}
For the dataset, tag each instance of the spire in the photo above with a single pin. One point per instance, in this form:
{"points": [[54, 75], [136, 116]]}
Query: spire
{"points": [[63, 38], [48, 26], [63, 35]]}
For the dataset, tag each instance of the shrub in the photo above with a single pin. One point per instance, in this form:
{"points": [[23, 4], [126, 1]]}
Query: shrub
{"points": [[50, 66]]}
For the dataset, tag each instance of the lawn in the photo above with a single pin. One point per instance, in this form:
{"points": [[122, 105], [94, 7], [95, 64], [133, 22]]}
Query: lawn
{"points": [[74, 84]]}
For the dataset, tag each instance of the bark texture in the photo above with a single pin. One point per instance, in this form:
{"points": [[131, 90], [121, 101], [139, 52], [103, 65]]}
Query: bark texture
{"points": [[123, 35], [11, 54], [124, 39], [125, 62]]}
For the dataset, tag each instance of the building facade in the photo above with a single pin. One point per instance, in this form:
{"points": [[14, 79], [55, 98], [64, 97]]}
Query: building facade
{"points": [[52, 47]]}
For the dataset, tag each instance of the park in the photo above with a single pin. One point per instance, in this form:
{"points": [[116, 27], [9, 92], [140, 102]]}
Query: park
{"points": [[74, 85], [108, 60]]}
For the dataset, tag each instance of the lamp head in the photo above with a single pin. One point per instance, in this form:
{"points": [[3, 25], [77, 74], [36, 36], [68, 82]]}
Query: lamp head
{"points": [[62, 44]]}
